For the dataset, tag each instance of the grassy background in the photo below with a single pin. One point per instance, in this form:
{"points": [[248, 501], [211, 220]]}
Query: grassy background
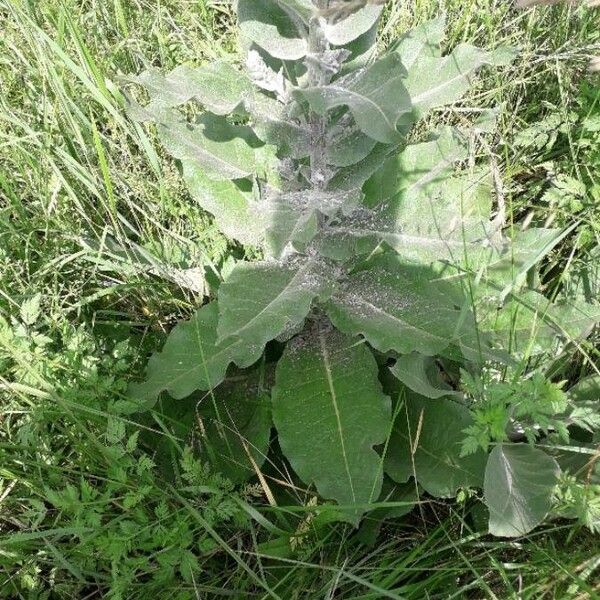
{"points": [[91, 214]]}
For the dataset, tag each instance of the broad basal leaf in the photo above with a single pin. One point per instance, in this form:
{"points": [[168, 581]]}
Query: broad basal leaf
{"points": [[400, 307], [259, 301], [236, 212], [330, 412], [278, 26], [235, 427], [426, 444], [421, 374], [376, 96], [518, 487], [192, 359], [230, 426], [219, 86]]}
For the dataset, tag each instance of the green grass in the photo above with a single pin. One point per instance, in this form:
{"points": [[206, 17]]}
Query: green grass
{"points": [[91, 217]]}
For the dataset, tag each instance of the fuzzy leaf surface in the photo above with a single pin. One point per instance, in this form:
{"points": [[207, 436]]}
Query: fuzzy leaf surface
{"points": [[358, 23], [259, 301], [518, 486], [397, 306], [219, 86], [375, 95], [212, 144], [433, 81], [330, 412], [235, 211], [192, 359], [426, 443], [278, 26]]}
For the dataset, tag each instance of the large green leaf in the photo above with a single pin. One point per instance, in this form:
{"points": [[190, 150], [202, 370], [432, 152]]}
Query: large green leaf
{"points": [[192, 359], [358, 23], [518, 486], [221, 150], [278, 26], [230, 426], [401, 307], [426, 444], [423, 40], [375, 95], [293, 217], [530, 322], [330, 412], [219, 86], [235, 427], [433, 81], [415, 206], [259, 301], [235, 211]]}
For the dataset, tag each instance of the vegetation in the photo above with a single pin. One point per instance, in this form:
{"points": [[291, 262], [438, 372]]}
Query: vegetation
{"points": [[101, 248]]}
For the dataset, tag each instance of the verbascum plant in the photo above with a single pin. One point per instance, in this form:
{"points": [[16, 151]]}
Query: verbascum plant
{"points": [[384, 271]]}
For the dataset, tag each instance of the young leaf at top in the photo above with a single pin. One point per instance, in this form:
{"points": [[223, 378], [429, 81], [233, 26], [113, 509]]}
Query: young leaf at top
{"points": [[519, 483], [375, 95], [330, 412], [426, 444], [278, 26]]}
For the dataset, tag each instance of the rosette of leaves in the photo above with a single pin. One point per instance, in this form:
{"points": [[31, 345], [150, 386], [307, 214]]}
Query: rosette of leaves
{"points": [[365, 235]]}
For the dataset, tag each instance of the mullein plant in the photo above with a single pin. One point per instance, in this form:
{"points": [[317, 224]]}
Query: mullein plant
{"points": [[386, 279]]}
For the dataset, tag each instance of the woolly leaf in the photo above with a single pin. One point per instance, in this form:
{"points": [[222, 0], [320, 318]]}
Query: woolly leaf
{"points": [[219, 86], [358, 23], [399, 307], [293, 216], [434, 81], [259, 301], [376, 96], [236, 212], [330, 412], [518, 487], [422, 41], [426, 444], [221, 150], [278, 26], [192, 359]]}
